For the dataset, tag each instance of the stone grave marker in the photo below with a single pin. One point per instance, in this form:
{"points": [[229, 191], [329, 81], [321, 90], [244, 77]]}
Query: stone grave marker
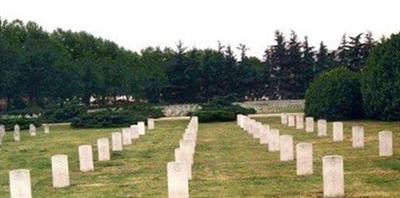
{"points": [[103, 149], [286, 147], [86, 158], [178, 182], [322, 131], [337, 131], [357, 136], [20, 183], [333, 176], [116, 138], [385, 143], [304, 159], [60, 171]]}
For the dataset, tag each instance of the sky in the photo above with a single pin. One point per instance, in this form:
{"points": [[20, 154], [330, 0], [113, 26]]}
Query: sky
{"points": [[136, 24]]}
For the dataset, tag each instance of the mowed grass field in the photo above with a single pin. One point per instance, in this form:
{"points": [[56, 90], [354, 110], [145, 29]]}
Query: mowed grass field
{"points": [[228, 163]]}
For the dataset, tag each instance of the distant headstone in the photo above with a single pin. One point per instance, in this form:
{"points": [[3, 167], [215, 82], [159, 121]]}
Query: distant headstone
{"points": [[337, 131], [32, 130], [126, 136], [103, 149], [142, 128], [60, 171], [178, 182], [299, 122], [86, 158], [333, 176], [291, 120], [17, 136], [20, 184], [2, 133], [309, 124], [385, 143], [358, 136], [116, 138], [150, 123], [135, 132], [46, 128], [264, 134], [322, 131], [184, 156], [304, 159], [273, 142], [284, 118], [286, 147]]}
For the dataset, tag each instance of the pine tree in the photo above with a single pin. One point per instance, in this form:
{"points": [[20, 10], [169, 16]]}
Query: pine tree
{"points": [[324, 59]]}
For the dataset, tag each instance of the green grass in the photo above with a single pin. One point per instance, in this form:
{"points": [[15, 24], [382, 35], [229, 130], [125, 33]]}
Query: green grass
{"points": [[228, 163]]}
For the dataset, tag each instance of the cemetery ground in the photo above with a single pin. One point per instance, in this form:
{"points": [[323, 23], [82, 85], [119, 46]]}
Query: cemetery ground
{"points": [[228, 162]]}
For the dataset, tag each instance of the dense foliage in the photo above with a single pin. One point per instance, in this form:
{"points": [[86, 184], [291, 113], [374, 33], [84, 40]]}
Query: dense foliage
{"points": [[381, 81], [64, 112], [335, 95], [10, 122], [220, 110], [41, 68], [119, 117]]}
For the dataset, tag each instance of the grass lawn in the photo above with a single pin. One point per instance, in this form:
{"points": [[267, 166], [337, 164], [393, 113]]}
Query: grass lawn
{"points": [[228, 163]]}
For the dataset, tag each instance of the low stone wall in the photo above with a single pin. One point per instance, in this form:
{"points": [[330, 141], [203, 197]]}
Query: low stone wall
{"points": [[275, 106], [179, 110]]}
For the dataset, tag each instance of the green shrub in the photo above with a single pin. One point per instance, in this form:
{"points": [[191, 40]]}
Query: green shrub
{"points": [[64, 112], [219, 110], [334, 95], [23, 123], [380, 82], [118, 117]]}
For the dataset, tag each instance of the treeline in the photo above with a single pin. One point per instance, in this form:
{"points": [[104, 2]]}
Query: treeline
{"points": [[41, 68]]}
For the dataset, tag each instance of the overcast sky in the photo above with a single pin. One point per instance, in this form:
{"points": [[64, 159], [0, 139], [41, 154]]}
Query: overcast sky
{"points": [[136, 24]]}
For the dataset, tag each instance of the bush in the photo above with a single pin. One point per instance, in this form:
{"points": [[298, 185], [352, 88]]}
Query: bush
{"points": [[219, 110], [118, 117], [380, 82], [334, 95], [23, 123], [64, 112]]}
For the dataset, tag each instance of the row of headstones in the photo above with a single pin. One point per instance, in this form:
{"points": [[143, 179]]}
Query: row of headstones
{"points": [[179, 172], [17, 131], [332, 171], [385, 137], [20, 184]]}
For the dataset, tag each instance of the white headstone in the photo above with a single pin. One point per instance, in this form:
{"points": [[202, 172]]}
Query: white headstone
{"points": [[358, 136], [17, 137], [60, 171], [309, 124], [291, 120], [150, 123], [273, 142], [333, 176], [385, 143], [20, 184], [116, 138], [134, 132], [184, 156], [286, 147], [264, 134], [103, 149], [142, 128], [337, 131], [304, 159], [86, 158], [32, 130], [126, 136], [2, 133], [178, 182], [46, 128], [322, 131], [299, 122], [284, 118]]}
